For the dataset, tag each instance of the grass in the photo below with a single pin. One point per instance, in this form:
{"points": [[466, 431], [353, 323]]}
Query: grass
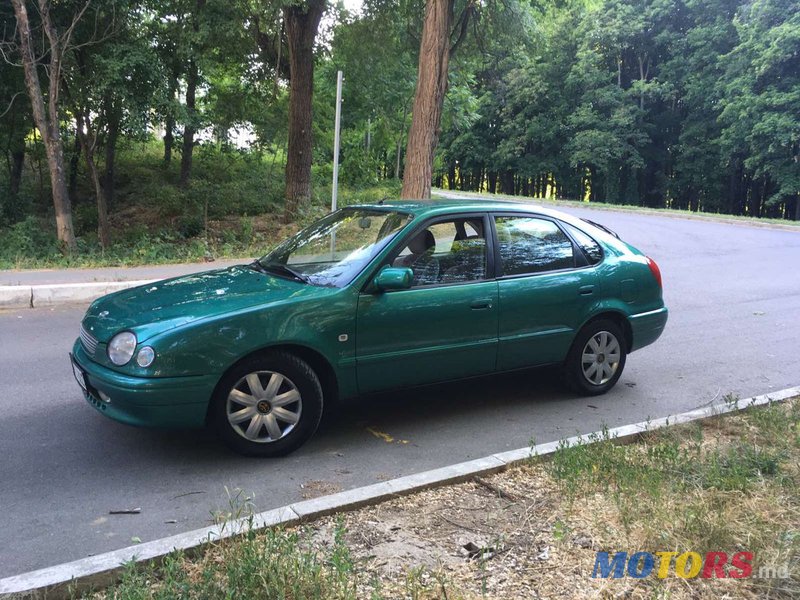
{"points": [[687, 214], [727, 484], [276, 564]]}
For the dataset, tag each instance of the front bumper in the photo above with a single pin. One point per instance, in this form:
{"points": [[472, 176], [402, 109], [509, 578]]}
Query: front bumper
{"points": [[647, 327], [173, 402]]}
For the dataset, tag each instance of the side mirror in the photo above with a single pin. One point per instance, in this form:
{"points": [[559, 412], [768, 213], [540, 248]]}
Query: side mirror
{"points": [[393, 278]]}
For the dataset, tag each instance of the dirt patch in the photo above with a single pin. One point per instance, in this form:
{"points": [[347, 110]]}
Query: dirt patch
{"points": [[316, 488]]}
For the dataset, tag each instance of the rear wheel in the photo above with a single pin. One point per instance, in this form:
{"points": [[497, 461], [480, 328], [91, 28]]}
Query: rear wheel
{"points": [[268, 405], [596, 359]]}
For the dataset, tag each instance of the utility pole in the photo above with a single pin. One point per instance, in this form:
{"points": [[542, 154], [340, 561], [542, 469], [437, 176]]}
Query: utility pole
{"points": [[337, 129]]}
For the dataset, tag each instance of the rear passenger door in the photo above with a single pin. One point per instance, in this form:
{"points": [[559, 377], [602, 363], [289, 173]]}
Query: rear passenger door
{"points": [[546, 290]]}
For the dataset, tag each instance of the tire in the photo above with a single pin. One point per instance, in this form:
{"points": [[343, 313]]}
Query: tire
{"points": [[581, 375], [268, 405]]}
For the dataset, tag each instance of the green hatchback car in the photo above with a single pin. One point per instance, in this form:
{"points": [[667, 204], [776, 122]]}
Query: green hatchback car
{"points": [[371, 297]]}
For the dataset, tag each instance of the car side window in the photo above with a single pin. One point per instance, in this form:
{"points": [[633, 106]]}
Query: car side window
{"points": [[532, 245], [445, 252], [592, 250]]}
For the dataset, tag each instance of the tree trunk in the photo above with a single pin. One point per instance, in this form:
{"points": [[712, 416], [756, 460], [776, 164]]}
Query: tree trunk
{"points": [[398, 157], [507, 182], [423, 137], [301, 30], [190, 128], [451, 176], [492, 182], [192, 79], [89, 142], [74, 161], [463, 179], [643, 73], [15, 173], [112, 120], [169, 124], [47, 121]]}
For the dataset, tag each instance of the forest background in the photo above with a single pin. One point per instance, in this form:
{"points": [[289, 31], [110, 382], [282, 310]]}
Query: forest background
{"points": [[161, 130]]}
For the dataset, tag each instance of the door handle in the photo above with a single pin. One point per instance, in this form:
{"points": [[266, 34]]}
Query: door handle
{"points": [[481, 304], [586, 290]]}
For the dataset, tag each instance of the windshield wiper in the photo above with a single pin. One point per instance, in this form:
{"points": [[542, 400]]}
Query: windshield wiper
{"points": [[280, 269], [257, 266]]}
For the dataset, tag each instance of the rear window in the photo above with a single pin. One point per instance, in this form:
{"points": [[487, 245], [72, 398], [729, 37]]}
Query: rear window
{"points": [[592, 250], [532, 245]]}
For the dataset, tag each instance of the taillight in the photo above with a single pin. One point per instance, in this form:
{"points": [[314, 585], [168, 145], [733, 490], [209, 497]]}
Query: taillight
{"points": [[655, 271]]}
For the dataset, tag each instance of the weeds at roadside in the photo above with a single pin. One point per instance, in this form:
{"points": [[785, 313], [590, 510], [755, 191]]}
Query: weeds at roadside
{"points": [[702, 487]]}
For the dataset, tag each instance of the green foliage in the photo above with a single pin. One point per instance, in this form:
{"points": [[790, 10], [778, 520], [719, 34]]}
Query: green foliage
{"points": [[27, 238], [689, 104], [236, 196]]}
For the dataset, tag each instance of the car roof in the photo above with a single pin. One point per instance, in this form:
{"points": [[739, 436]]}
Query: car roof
{"points": [[436, 207], [448, 206]]}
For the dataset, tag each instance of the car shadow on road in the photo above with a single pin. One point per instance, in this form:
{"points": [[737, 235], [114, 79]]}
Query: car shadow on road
{"points": [[87, 438], [488, 396], [347, 423]]}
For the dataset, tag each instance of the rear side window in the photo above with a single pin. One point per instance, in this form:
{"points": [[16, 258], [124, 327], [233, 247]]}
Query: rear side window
{"points": [[592, 250], [532, 245]]}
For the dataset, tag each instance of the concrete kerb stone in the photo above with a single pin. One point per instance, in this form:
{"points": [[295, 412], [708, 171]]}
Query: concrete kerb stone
{"points": [[104, 569], [63, 293], [35, 296], [16, 296]]}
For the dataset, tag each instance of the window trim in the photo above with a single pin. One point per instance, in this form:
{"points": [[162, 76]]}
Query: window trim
{"points": [[400, 243], [577, 251]]}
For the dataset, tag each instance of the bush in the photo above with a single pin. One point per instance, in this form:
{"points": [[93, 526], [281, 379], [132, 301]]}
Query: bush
{"points": [[28, 238]]}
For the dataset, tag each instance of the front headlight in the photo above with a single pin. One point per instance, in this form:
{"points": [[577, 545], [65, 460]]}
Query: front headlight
{"points": [[121, 347]]}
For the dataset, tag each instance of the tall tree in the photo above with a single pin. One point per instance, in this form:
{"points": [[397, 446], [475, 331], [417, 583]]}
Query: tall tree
{"points": [[47, 118], [302, 22], [762, 104], [192, 81], [441, 35], [423, 136], [15, 124]]}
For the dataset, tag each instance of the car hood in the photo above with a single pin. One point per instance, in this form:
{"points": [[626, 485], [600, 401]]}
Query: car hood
{"points": [[154, 308]]}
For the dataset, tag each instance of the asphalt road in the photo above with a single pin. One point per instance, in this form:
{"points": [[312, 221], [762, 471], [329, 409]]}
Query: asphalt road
{"points": [[734, 296]]}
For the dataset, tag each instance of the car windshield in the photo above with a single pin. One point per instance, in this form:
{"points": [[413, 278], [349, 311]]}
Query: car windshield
{"points": [[332, 251]]}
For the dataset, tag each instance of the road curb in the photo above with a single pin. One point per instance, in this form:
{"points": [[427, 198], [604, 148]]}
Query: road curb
{"points": [[35, 296], [54, 583]]}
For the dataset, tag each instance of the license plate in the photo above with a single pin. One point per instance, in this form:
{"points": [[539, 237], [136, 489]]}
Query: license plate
{"points": [[78, 373]]}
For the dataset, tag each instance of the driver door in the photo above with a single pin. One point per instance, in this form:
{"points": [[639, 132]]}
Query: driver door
{"points": [[445, 326]]}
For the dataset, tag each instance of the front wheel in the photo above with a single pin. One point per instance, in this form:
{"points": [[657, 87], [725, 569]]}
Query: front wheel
{"points": [[596, 360], [268, 405]]}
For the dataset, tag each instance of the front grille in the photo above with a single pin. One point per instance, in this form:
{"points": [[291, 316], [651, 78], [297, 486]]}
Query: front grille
{"points": [[89, 341]]}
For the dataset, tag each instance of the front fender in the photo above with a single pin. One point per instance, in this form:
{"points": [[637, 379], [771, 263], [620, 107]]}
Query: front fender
{"points": [[325, 325]]}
